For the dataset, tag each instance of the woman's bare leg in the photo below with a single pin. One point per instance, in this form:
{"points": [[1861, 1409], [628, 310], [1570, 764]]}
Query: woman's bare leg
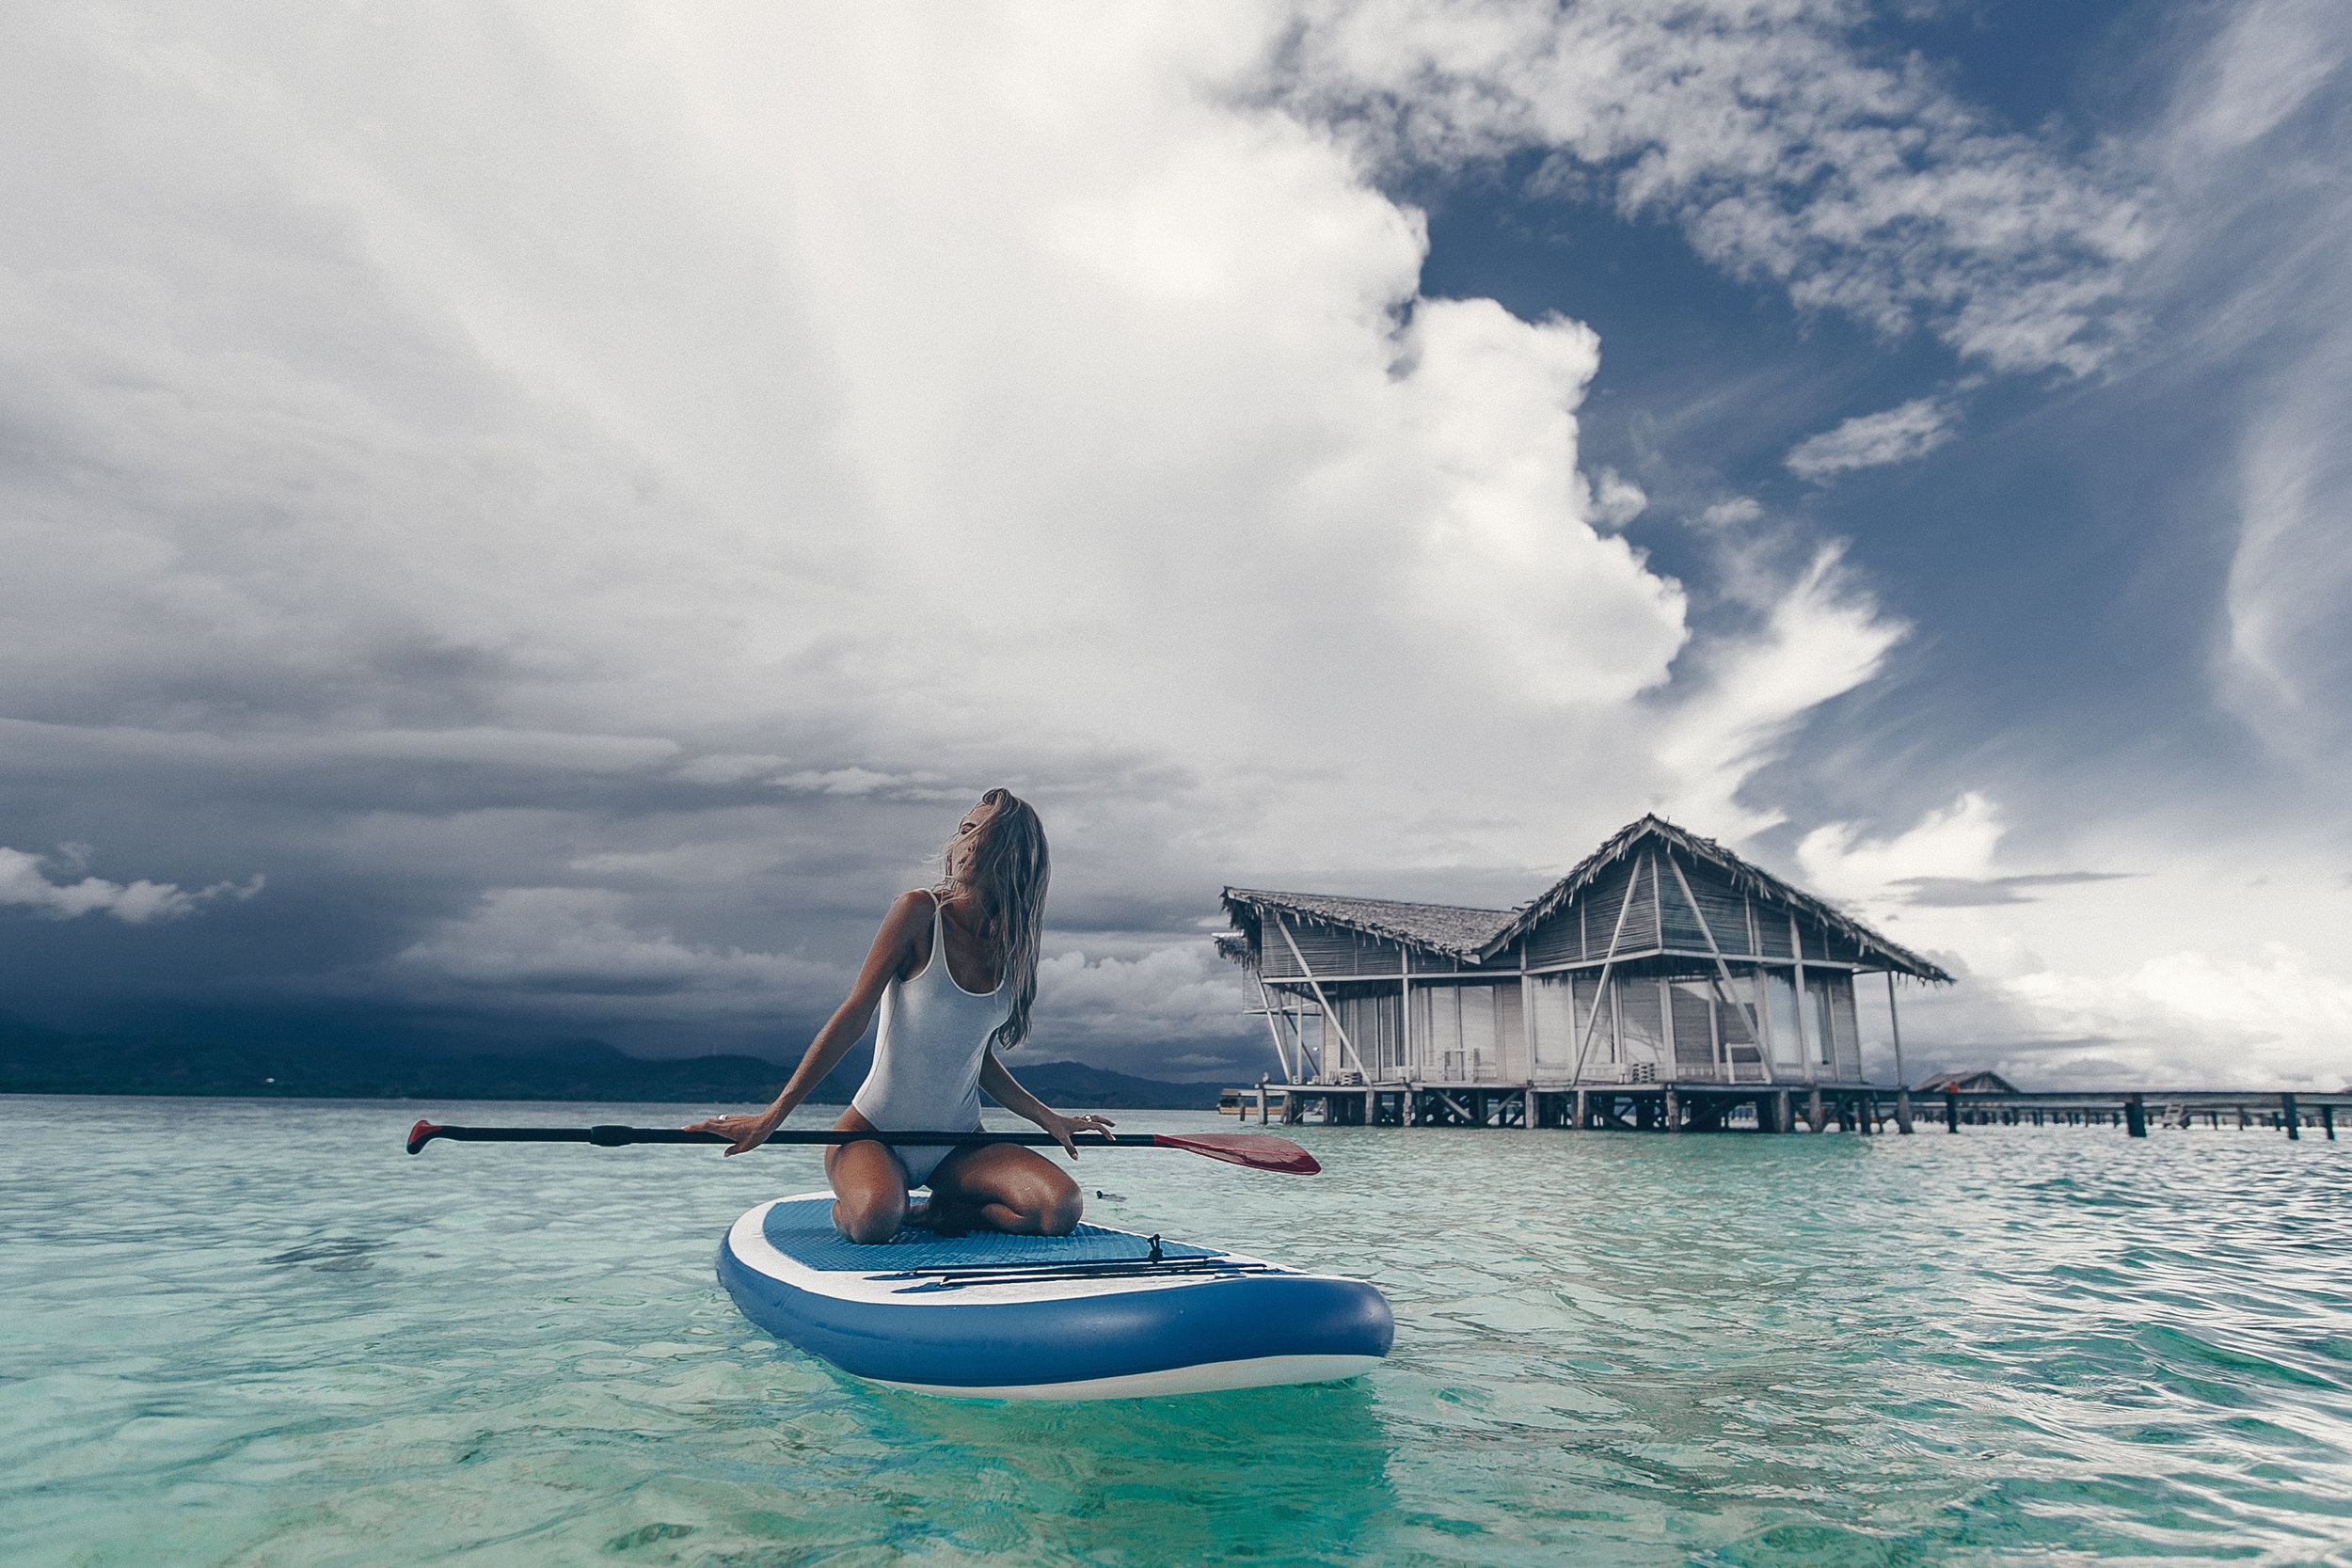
{"points": [[1005, 1187], [870, 1187]]}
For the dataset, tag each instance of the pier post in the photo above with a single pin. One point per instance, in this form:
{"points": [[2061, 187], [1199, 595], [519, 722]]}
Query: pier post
{"points": [[1576, 1104], [2328, 1119], [2136, 1117], [1262, 1100], [1814, 1117], [1529, 1119], [1951, 1110], [2291, 1116], [1674, 1112], [1783, 1115], [1902, 1081]]}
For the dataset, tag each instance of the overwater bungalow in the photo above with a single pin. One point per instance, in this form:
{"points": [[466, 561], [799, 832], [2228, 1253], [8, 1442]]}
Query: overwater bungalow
{"points": [[1664, 982]]}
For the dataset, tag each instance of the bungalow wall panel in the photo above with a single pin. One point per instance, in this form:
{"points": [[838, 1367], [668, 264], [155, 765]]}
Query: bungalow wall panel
{"points": [[1336, 952], [1726, 916], [1478, 1033], [1595, 1038], [1436, 1031], [1374, 1025], [1694, 1029], [1742, 1028], [1471, 1033], [1641, 919], [1820, 1026], [1601, 902], [1849, 1035], [1780, 988], [1274, 955], [1511, 1064], [1677, 922], [1772, 930], [1560, 939], [1552, 1000], [1641, 1023]]}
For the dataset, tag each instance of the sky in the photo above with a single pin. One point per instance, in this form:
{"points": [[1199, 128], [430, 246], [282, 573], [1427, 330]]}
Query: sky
{"points": [[531, 521]]}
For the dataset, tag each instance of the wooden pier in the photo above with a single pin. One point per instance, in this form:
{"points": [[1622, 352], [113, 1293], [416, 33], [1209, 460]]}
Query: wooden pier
{"points": [[1711, 1107]]}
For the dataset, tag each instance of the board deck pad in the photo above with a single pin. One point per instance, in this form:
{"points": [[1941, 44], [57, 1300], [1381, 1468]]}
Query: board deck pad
{"points": [[802, 1230]]}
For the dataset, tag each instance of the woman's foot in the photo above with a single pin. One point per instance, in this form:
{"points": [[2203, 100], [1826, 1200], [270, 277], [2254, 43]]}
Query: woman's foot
{"points": [[940, 1216]]}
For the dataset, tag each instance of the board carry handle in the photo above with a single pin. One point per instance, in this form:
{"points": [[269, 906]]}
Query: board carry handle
{"points": [[1255, 1150]]}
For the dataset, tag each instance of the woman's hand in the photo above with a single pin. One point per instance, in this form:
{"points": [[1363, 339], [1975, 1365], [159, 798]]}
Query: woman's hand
{"points": [[1061, 1127], [747, 1132]]}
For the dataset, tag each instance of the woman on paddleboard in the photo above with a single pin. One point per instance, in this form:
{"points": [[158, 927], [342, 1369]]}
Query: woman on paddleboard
{"points": [[953, 970]]}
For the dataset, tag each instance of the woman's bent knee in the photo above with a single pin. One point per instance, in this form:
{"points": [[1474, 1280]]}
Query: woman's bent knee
{"points": [[867, 1224], [1061, 1210]]}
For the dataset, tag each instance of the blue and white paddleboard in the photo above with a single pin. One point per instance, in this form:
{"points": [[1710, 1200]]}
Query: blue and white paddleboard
{"points": [[1098, 1314]]}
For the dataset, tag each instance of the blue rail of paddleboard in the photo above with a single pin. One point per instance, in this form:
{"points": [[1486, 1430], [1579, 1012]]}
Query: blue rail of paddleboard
{"points": [[948, 1343], [804, 1232]]}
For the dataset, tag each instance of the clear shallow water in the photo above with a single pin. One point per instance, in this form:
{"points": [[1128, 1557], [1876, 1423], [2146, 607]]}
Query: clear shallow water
{"points": [[249, 1332]]}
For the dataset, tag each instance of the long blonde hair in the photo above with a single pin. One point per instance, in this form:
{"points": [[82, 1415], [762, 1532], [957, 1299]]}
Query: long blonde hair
{"points": [[1005, 870]]}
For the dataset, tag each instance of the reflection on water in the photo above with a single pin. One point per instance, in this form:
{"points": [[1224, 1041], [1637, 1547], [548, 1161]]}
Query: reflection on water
{"points": [[222, 1346]]}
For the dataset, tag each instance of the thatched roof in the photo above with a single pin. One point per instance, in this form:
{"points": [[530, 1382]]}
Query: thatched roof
{"points": [[1475, 936], [1968, 1083], [1448, 929], [1751, 879]]}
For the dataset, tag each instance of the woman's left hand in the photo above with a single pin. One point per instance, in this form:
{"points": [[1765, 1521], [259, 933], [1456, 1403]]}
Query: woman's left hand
{"points": [[1063, 1127]]}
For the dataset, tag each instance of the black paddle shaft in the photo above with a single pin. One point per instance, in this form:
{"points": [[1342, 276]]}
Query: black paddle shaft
{"points": [[614, 1136]]}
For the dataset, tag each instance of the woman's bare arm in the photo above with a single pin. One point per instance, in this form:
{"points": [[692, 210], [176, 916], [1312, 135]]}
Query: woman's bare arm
{"points": [[1004, 1089], [902, 929]]}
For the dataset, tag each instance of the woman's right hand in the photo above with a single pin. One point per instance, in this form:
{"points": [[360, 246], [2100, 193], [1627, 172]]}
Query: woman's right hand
{"points": [[748, 1133]]}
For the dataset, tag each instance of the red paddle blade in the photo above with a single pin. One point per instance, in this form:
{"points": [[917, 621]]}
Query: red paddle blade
{"points": [[422, 1134], [1254, 1150]]}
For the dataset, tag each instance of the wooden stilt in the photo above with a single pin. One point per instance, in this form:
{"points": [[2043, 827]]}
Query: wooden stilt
{"points": [[1951, 1110], [1815, 1116], [2291, 1116], [2136, 1117], [1674, 1112]]}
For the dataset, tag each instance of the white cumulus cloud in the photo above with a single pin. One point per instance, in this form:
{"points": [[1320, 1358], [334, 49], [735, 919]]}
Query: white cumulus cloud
{"points": [[1872, 441], [1783, 152]]}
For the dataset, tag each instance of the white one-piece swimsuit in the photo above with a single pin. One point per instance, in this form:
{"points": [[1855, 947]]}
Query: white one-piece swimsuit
{"points": [[927, 1055]]}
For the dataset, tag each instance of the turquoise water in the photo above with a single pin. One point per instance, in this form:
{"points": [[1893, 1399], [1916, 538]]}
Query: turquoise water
{"points": [[249, 1332]]}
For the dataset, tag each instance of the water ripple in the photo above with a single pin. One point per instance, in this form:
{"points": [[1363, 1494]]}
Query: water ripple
{"points": [[226, 1345]]}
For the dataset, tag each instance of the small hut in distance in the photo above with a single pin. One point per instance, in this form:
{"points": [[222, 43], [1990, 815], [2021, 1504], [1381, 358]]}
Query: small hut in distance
{"points": [[1966, 1082], [1662, 982]]}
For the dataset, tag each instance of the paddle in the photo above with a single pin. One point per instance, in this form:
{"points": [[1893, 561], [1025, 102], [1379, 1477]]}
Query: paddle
{"points": [[1253, 1150]]}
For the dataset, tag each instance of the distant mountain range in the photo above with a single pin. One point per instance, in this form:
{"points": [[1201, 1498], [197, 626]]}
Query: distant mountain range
{"points": [[34, 1060]]}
